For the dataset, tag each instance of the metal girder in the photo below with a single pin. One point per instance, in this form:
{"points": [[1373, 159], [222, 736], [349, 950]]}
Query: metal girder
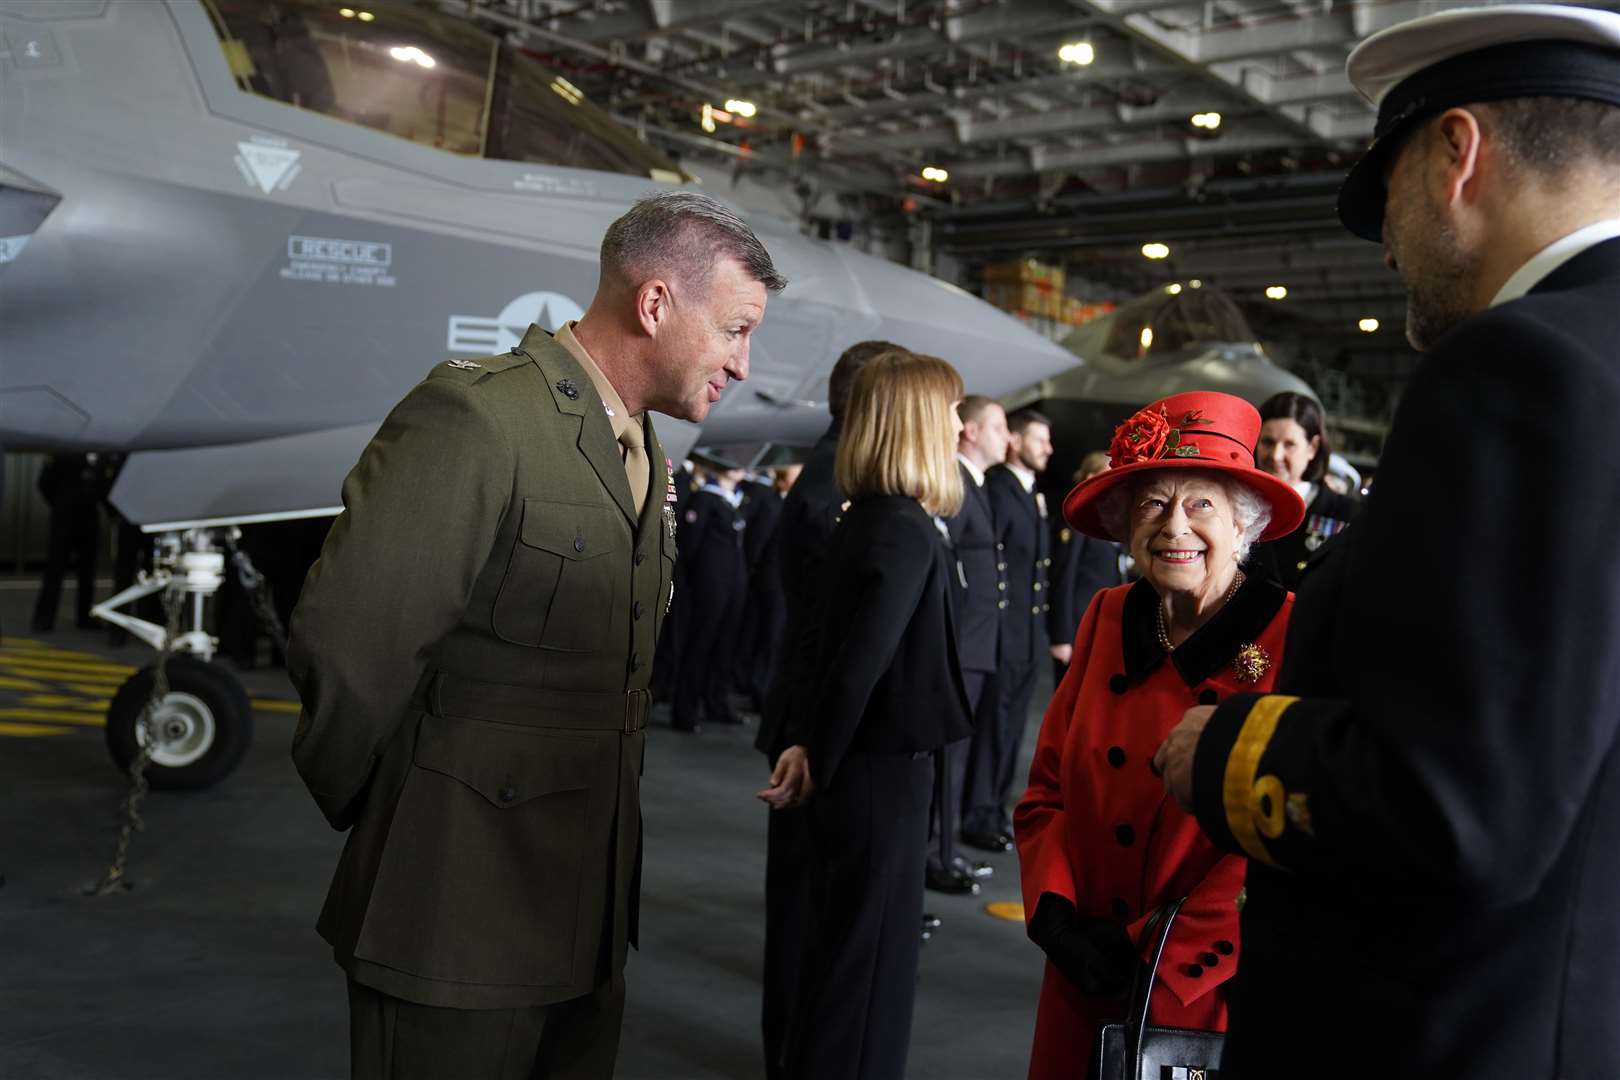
{"points": [[912, 41], [634, 22], [1290, 90], [1041, 160]]}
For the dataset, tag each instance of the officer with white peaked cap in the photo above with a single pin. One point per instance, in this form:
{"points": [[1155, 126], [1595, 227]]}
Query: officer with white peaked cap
{"points": [[1430, 801]]}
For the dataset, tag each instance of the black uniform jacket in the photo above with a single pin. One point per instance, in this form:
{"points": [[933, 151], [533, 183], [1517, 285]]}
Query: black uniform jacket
{"points": [[983, 584], [1082, 567], [889, 678], [1433, 823], [1283, 560], [712, 565], [809, 514], [1024, 544]]}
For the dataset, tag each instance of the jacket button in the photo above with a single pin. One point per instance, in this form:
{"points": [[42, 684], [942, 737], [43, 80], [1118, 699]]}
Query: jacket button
{"points": [[1208, 697], [1001, 547], [1116, 757], [1224, 948], [1001, 604], [1119, 908], [641, 557], [1036, 610], [1301, 566], [579, 543], [1125, 835], [1118, 683], [636, 610], [1001, 566], [635, 661], [1001, 585], [1046, 562], [1037, 586], [1194, 971], [507, 794], [1210, 959]]}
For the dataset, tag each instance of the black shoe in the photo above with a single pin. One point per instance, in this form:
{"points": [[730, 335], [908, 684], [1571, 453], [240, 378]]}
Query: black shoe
{"points": [[930, 921], [949, 881], [976, 870], [927, 935], [998, 842]]}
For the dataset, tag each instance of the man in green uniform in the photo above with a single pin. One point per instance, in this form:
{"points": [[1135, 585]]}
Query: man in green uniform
{"points": [[473, 649]]}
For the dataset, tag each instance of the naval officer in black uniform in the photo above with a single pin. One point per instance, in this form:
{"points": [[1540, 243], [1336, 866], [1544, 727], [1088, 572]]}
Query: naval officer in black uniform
{"points": [[712, 582], [1431, 803], [1023, 540]]}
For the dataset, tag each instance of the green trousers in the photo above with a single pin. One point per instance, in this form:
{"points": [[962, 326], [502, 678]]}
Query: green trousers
{"points": [[391, 1039]]}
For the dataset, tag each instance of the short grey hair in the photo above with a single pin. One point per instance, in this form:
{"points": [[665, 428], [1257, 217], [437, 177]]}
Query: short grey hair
{"points": [[683, 234], [1253, 512]]}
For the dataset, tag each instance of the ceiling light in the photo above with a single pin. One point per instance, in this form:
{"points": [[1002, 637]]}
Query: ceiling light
{"points": [[567, 90], [366, 16], [936, 174], [1276, 292], [1156, 251], [1077, 52], [347, 13], [412, 53], [1368, 326], [1207, 120], [1147, 338], [708, 117], [1174, 288], [1195, 283], [744, 109]]}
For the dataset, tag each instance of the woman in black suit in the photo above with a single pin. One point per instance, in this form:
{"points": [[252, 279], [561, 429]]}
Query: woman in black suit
{"points": [[1294, 447], [888, 692]]}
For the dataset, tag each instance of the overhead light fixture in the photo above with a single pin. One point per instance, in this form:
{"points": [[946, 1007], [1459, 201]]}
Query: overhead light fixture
{"points": [[1276, 292], [744, 109], [411, 54], [936, 174], [1077, 52], [1156, 251], [366, 16], [1195, 283], [1174, 288], [708, 117], [567, 90], [347, 13], [1368, 326], [1209, 121], [1147, 338]]}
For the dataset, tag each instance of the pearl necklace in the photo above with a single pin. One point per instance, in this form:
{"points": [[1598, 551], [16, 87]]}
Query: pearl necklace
{"points": [[1164, 631]]}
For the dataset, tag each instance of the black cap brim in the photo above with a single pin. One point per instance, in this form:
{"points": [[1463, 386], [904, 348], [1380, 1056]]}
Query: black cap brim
{"points": [[1362, 195]]}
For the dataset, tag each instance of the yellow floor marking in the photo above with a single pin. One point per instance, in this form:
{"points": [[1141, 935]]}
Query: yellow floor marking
{"points": [[41, 653], [56, 716], [20, 684], [70, 667], [39, 671], [63, 701], [1010, 910], [99, 689], [26, 731], [276, 705]]}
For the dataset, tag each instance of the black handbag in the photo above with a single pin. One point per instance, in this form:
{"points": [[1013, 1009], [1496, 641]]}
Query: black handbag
{"points": [[1135, 1051]]}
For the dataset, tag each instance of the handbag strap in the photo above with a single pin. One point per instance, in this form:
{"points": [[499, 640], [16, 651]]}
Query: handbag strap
{"points": [[1142, 986]]}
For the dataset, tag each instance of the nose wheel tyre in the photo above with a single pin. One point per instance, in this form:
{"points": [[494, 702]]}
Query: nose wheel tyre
{"points": [[203, 726]]}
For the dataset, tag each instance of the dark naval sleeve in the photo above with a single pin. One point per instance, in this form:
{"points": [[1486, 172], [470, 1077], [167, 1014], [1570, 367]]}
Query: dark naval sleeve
{"points": [[421, 510], [1477, 690]]}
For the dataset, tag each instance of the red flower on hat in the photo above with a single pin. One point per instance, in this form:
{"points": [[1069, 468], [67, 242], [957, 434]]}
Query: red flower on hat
{"points": [[1149, 436]]}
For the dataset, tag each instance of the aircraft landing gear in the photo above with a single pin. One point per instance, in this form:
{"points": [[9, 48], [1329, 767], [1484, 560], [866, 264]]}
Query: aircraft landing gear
{"points": [[204, 723]]}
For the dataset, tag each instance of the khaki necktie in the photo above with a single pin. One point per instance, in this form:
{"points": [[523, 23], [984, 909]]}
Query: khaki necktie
{"points": [[635, 463]]}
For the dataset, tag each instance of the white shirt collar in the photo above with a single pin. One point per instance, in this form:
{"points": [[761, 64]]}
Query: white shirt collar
{"points": [[1025, 476], [973, 470], [734, 496], [1306, 490], [1553, 256]]}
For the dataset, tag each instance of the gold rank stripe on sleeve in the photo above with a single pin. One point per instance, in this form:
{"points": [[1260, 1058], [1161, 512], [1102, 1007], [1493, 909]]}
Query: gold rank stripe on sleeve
{"points": [[1241, 794]]}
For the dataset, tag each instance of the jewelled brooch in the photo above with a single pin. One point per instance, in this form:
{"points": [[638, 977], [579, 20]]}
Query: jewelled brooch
{"points": [[1251, 663]]}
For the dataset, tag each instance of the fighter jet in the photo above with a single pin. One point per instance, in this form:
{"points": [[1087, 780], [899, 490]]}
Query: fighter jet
{"points": [[233, 233]]}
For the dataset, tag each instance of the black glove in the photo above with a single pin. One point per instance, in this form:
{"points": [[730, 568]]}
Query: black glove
{"points": [[1095, 954]]}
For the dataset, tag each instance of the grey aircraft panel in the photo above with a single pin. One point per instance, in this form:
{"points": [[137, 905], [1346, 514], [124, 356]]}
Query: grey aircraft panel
{"points": [[223, 270]]}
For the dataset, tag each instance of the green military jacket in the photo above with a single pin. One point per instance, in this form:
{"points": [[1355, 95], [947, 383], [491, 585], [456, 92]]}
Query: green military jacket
{"points": [[472, 651]]}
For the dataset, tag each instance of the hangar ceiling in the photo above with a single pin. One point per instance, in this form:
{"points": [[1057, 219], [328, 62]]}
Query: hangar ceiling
{"points": [[1077, 163]]}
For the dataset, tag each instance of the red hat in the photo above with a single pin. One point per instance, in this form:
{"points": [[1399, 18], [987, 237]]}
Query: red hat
{"points": [[1199, 430]]}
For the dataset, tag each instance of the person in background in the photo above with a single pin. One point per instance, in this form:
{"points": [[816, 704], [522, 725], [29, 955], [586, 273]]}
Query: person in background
{"points": [[684, 480], [1023, 542], [73, 486], [888, 693], [1100, 846], [809, 514], [1082, 566], [982, 596], [713, 581], [1294, 448], [759, 634]]}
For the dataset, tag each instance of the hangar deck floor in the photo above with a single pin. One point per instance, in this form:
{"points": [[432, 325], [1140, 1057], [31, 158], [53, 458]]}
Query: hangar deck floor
{"points": [[210, 967]]}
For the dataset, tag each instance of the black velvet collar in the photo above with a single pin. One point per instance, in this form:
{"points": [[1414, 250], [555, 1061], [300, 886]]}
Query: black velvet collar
{"points": [[1214, 645]]}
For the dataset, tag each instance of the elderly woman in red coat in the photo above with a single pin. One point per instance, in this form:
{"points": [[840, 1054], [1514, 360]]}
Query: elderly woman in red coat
{"points": [[1100, 845]]}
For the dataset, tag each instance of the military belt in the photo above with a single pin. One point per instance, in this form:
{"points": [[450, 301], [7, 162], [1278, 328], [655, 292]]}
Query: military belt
{"points": [[456, 697]]}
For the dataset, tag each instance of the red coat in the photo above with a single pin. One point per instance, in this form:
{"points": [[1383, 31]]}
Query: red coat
{"points": [[1097, 828]]}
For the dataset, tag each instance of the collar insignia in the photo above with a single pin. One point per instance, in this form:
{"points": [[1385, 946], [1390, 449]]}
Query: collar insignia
{"points": [[464, 365], [568, 389]]}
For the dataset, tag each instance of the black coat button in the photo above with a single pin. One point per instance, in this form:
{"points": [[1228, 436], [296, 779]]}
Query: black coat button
{"points": [[1208, 697], [1119, 908], [635, 661], [641, 557], [1194, 971], [1210, 959], [636, 610], [1225, 948], [1125, 835], [507, 794], [1116, 757], [1118, 683], [579, 543]]}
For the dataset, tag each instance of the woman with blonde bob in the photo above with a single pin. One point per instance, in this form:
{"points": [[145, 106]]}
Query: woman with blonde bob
{"points": [[889, 691]]}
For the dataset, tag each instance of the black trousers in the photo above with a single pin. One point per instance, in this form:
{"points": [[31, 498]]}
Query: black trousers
{"points": [[703, 675], [993, 756], [391, 1039], [945, 813], [72, 541], [852, 1019], [787, 911]]}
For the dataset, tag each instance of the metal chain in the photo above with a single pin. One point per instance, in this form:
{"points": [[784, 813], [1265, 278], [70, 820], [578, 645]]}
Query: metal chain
{"points": [[114, 881], [258, 587]]}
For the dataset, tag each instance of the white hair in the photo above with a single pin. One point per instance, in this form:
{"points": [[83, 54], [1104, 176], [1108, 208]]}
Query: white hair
{"points": [[1253, 513]]}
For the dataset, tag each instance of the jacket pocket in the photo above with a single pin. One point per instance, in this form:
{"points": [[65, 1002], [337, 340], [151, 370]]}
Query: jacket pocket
{"points": [[558, 592], [480, 878]]}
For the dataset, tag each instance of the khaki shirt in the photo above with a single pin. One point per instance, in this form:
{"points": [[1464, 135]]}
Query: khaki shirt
{"points": [[618, 415]]}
